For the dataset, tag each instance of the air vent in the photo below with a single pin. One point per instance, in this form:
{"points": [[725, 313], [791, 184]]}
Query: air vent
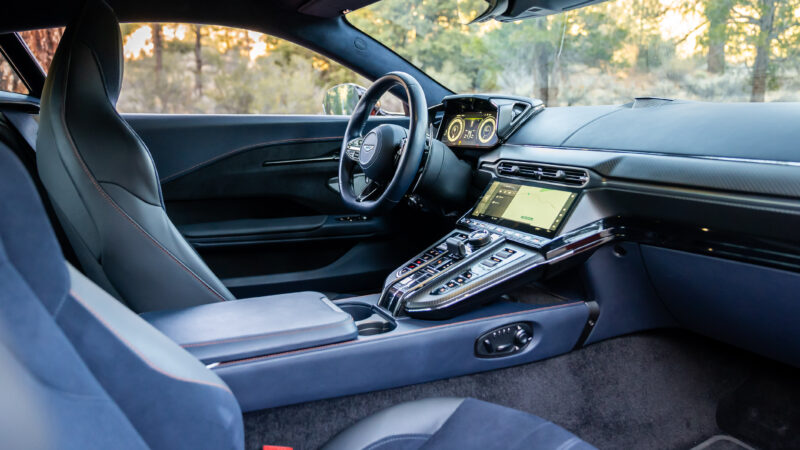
{"points": [[539, 172]]}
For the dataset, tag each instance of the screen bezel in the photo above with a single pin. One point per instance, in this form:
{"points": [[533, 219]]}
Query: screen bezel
{"points": [[465, 105], [522, 227]]}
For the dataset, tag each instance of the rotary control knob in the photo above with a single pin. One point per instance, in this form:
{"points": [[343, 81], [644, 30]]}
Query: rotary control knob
{"points": [[479, 238], [521, 337]]}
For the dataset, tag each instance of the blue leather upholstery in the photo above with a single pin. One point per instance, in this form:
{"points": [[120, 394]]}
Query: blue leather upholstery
{"points": [[101, 376], [84, 372], [81, 371], [255, 326], [452, 423]]}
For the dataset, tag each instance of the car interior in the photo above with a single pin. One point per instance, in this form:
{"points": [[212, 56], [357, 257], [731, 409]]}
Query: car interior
{"points": [[479, 271]]}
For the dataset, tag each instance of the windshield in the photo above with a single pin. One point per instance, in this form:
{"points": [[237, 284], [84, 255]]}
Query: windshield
{"points": [[610, 53]]}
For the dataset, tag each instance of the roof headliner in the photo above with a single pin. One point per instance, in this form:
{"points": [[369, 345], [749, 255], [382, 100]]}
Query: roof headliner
{"points": [[254, 14]]}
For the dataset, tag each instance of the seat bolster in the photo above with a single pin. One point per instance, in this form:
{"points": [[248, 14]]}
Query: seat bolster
{"points": [[487, 426], [405, 423], [153, 380], [454, 423]]}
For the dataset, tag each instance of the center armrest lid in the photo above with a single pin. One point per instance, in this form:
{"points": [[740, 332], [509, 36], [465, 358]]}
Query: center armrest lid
{"points": [[226, 331]]}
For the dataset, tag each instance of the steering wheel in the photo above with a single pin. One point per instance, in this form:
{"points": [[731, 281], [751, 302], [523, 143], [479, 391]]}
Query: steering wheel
{"points": [[389, 155]]}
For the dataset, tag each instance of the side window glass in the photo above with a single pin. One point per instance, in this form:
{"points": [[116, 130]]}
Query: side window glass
{"points": [[178, 68]]}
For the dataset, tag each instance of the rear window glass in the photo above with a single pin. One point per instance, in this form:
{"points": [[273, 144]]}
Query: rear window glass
{"points": [[43, 44], [9, 81]]}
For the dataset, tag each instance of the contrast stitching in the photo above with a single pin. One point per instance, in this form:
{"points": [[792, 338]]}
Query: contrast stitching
{"points": [[259, 336], [401, 437], [275, 355], [136, 352], [569, 443], [118, 209], [244, 149], [129, 192]]}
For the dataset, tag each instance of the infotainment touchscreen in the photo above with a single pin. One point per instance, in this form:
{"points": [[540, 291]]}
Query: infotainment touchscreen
{"points": [[530, 209]]}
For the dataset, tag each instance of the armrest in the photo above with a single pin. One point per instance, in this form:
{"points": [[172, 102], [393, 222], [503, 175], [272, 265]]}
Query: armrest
{"points": [[237, 329]]}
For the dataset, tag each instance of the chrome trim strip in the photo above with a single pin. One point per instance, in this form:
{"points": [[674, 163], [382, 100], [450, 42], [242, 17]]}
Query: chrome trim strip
{"points": [[669, 155], [534, 180], [284, 162]]}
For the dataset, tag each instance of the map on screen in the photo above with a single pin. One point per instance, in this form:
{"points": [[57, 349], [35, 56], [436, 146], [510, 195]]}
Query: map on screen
{"points": [[536, 207]]}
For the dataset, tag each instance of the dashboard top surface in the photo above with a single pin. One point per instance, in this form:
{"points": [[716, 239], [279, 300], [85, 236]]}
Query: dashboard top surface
{"points": [[751, 131]]}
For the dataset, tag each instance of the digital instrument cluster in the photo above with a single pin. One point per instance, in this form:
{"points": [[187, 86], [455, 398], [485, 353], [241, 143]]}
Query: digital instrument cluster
{"points": [[471, 129], [481, 121]]}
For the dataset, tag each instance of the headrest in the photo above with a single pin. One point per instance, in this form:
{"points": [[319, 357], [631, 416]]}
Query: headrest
{"points": [[95, 29]]}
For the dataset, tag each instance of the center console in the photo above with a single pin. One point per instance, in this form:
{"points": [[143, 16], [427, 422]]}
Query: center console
{"points": [[511, 232], [438, 315]]}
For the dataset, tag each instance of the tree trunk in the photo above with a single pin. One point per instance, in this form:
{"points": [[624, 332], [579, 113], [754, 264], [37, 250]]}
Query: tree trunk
{"points": [[543, 57], [763, 46], [158, 51], [198, 62], [715, 60], [717, 12]]}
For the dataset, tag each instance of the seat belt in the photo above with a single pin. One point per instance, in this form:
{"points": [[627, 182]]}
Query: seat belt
{"points": [[25, 125]]}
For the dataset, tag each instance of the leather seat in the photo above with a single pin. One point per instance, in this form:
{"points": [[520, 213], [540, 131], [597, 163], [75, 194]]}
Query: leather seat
{"points": [[102, 180], [81, 371], [97, 375], [454, 423]]}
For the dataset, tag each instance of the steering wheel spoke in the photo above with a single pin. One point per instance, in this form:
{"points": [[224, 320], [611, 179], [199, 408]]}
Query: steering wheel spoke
{"points": [[369, 190], [387, 152], [353, 149]]}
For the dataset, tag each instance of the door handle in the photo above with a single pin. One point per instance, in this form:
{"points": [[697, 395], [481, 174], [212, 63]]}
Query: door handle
{"points": [[285, 162]]}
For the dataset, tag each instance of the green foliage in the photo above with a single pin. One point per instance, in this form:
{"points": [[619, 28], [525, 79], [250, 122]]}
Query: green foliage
{"points": [[610, 52], [604, 53], [283, 79]]}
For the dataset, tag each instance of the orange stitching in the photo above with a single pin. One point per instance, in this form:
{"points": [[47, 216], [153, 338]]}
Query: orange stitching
{"points": [[136, 352], [244, 149], [257, 358], [119, 210]]}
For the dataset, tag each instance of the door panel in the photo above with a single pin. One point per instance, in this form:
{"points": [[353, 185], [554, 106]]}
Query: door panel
{"points": [[183, 143], [254, 195]]}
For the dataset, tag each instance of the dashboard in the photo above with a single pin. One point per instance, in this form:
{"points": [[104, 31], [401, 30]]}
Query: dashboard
{"points": [[732, 167], [702, 199]]}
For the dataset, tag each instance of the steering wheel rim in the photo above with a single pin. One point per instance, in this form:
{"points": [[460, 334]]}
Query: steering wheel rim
{"points": [[410, 153]]}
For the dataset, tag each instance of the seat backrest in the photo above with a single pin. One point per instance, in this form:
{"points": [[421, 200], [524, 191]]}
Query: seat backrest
{"points": [[93, 373], [102, 180]]}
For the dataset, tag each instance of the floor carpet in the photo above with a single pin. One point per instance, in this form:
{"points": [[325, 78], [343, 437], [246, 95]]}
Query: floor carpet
{"points": [[654, 390]]}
